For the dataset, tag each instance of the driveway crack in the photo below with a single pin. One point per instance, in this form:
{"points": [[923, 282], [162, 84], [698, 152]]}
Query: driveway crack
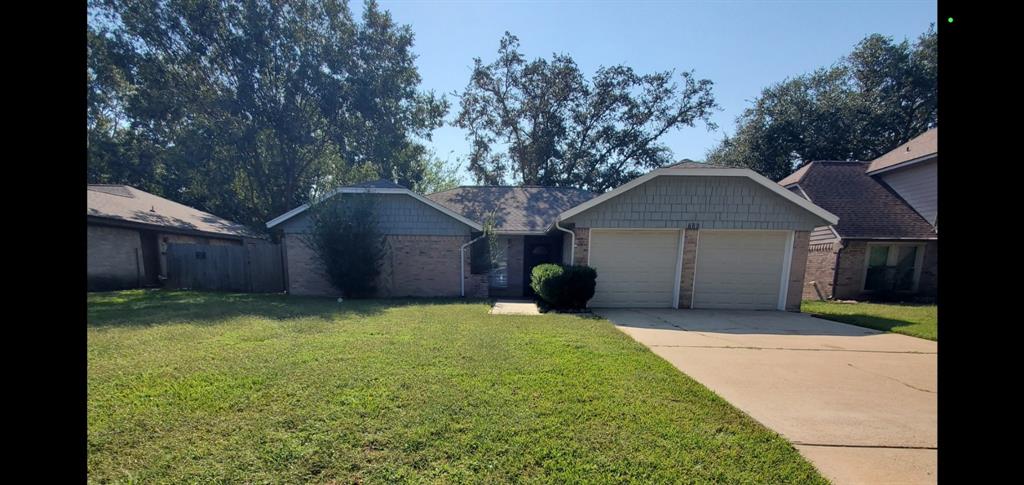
{"points": [[892, 378]]}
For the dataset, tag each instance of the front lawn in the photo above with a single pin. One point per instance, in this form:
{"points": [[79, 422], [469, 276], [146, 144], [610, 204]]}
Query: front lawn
{"points": [[914, 320], [200, 387]]}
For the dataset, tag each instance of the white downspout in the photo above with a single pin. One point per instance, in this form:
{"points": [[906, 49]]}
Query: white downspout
{"points": [[462, 265], [572, 242]]}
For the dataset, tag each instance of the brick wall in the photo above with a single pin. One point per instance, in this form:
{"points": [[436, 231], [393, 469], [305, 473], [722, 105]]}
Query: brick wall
{"points": [[821, 267], [422, 266], [691, 237], [794, 294], [850, 270], [582, 245], [113, 258], [413, 266], [304, 269]]}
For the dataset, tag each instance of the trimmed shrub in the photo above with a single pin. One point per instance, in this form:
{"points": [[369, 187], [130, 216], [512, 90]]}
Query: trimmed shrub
{"points": [[564, 287]]}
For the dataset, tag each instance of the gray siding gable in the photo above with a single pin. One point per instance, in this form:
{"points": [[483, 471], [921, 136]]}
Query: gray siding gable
{"points": [[397, 214], [711, 202]]}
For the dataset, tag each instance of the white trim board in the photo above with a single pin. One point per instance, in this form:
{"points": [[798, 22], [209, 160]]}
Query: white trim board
{"points": [[375, 190], [905, 163], [705, 172], [787, 263]]}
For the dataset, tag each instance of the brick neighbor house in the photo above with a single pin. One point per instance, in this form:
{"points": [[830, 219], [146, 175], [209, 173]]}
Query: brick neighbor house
{"points": [[887, 240], [683, 236], [128, 231]]}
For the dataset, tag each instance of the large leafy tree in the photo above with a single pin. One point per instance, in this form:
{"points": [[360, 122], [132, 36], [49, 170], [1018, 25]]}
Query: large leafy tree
{"points": [[246, 108], [541, 122], [879, 96]]}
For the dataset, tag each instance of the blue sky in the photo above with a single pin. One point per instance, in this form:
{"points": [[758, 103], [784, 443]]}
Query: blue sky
{"points": [[743, 46]]}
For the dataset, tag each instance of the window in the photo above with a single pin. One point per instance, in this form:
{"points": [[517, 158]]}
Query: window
{"points": [[499, 264], [892, 267]]}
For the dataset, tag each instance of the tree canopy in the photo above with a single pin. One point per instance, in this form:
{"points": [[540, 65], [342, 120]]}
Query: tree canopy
{"points": [[245, 108], [876, 98], [541, 122]]}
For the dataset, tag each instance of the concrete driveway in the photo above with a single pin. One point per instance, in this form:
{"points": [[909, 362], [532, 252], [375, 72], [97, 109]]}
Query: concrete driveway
{"points": [[858, 403]]}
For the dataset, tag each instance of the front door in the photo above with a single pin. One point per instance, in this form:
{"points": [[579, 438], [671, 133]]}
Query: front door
{"points": [[538, 250]]}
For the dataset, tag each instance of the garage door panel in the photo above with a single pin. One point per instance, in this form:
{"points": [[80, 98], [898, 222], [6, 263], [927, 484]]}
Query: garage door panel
{"points": [[634, 268], [739, 269]]}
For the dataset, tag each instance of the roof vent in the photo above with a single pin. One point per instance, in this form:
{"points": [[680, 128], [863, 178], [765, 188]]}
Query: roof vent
{"points": [[152, 208]]}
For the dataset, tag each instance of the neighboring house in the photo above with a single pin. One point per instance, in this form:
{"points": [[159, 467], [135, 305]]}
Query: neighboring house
{"points": [[128, 231], [886, 241], [684, 236]]}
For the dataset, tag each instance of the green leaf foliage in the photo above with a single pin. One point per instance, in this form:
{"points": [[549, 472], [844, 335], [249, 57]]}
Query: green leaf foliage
{"points": [[541, 122], [246, 108], [344, 235], [878, 97], [564, 287]]}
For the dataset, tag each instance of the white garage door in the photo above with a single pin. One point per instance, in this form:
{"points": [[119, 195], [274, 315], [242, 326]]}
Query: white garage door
{"points": [[739, 269], [634, 268]]}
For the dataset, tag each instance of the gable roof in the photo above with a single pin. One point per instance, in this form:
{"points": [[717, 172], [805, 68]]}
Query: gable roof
{"points": [[922, 147], [528, 209], [795, 177], [867, 208], [125, 203], [377, 187], [704, 172]]}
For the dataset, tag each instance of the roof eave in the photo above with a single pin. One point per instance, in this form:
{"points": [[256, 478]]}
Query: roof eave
{"points": [[904, 164], [117, 221]]}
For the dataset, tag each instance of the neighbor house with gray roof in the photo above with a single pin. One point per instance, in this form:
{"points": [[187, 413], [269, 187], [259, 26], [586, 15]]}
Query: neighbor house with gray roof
{"points": [[682, 236], [128, 231], [886, 241]]}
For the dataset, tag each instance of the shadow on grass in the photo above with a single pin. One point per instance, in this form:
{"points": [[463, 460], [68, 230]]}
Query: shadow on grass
{"points": [[869, 321], [155, 307]]}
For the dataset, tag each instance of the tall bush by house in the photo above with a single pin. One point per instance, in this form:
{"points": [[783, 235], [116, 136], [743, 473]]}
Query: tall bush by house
{"points": [[345, 236], [564, 287]]}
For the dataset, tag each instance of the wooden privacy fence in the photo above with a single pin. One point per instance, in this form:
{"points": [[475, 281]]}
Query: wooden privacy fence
{"points": [[251, 267]]}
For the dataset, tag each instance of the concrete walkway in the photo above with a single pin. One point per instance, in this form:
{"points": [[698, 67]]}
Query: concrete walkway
{"points": [[514, 307], [859, 404]]}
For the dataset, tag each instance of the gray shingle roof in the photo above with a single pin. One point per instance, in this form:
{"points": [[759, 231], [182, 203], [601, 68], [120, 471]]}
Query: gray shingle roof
{"points": [[515, 208], [925, 144], [867, 208], [128, 204]]}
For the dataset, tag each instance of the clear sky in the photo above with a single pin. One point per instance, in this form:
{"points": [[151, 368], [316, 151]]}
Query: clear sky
{"points": [[743, 46]]}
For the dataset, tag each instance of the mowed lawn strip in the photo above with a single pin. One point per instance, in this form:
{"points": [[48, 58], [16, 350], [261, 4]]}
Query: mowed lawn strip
{"points": [[203, 387], [914, 320]]}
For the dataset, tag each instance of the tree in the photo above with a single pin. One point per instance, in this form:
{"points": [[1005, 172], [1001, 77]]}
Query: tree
{"points": [[437, 175], [244, 107], [344, 235], [878, 97], [541, 122]]}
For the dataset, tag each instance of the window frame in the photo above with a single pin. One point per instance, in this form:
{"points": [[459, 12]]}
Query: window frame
{"points": [[891, 258]]}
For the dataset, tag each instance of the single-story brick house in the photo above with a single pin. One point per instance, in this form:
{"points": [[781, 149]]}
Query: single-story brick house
{"points": [[886, 240], [128, 231], [683, 236]]}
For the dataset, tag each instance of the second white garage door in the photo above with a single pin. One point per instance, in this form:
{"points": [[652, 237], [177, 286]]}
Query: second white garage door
{"points": [[739, 269], [634, 268]]}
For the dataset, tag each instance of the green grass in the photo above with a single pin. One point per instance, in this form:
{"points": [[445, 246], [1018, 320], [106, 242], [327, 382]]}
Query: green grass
{"points": [[914, 320], [201, 387]]}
